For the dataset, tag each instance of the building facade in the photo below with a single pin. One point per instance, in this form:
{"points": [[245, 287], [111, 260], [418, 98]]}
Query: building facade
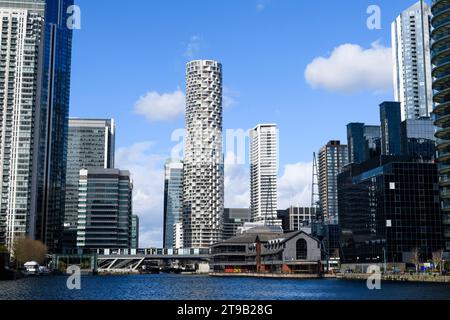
{"points": [[390, 129], [332, 158], [233, 220], [364, 142], [134, 232], [412, 61], [203, 194], [173, 200], [91, 145], [418, 140], [105, 209], [264, 174], [389, 208], [298, 218], [440, 55]]}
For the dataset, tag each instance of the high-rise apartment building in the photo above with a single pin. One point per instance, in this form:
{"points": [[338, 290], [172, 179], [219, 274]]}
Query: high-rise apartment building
{"points": [[332, 158], [134, 232], [441, 73], [203, 196], [264, 174], [105, 209], [364, 142], [173, 200], [412, 62], [22, 26], [390, 129], [91, 145]]}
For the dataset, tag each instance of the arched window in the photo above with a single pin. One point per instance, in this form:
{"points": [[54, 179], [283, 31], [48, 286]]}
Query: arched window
{"points": [[302, 249]]}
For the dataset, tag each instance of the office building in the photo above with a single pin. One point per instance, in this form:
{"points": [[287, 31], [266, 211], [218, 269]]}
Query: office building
{"points": [[418, 140], [441, 72], [390, 128], [178, 235], [173, 200], [264, 174], [332, 158], [105, 209], [364, 142], [389, 207], [298, 218], [203, 195], [21, 36], [91, 145], [134, 232], [412, 62], [233, 220]]}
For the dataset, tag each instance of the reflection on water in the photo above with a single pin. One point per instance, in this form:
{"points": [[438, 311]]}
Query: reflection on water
{"points": [[178, 287]]}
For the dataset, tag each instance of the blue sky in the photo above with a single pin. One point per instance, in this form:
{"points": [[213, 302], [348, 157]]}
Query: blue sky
{"points": [[139, 49]]}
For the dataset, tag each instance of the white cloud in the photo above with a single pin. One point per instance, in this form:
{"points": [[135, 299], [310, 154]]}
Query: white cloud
{"points": [[148, 177], [161, 107], [237, 183], [294, 186], [229, 97], [351, 68], [193, 47]]}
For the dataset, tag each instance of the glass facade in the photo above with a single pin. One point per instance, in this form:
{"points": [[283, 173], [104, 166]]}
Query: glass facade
{"points": [[389, 205], [364, 142], [418, 139], [390, 128], [134, 232], [412, 62], [233, 219], [104, 209], [440, 55], [173, 201]]}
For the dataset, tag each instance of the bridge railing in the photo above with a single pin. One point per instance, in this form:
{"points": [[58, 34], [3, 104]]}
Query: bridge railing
{"points": [[153, 252]]}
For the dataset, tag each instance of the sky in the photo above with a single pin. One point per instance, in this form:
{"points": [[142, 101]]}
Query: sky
{"points": [[311, 67]]}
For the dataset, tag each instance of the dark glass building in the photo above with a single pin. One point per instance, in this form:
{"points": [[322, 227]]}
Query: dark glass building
{"points": [[418, 140], [53, 127], [233, 219], [390, 116], [389, 206], [440, 59], [364, 142]]}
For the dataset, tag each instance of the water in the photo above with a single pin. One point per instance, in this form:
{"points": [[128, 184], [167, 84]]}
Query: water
{"points": [[179, 287]]}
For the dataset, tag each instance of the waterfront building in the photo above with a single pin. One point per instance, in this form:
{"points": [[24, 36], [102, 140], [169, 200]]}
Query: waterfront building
{"points": [[134, 232], [364, 142], [418, 140], [264, 174], [298, 218], [173, 200], [105, 209], [178, 235], [332, 158], [389, 209], [390, 128], [440, 54], [233, 220], [412, 61], [203, 194], [262, 250], [91, 145]]}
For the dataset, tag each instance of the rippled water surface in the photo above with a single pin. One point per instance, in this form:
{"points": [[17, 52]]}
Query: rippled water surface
{"points": [[178, 287]]}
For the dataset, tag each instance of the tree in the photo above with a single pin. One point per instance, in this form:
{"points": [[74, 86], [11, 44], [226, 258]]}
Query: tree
{"points": [[415, 258], [26, 249], [438, 256]]}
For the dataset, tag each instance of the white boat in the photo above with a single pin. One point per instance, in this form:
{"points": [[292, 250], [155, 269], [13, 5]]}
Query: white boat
{"points": [[32, 268]]}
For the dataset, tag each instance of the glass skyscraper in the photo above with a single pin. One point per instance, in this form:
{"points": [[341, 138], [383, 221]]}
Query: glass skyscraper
{"points": [[364, 142], [418, 140], [173, 201], [440, 55], [91, 145], [412, 62], [390, 128]]}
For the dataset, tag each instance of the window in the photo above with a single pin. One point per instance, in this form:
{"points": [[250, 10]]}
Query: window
{"points": [[302, 249]]}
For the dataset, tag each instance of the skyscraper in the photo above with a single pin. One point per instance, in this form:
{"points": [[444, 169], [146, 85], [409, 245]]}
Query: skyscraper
{"points": [[105, 209], [264, 174], [332, 158], [412, 62], [173, 200], [203, 196], [21, 36], [390, 129], [441, 73], [91, 145], [134, 232], [418, 140], [364, 142]]}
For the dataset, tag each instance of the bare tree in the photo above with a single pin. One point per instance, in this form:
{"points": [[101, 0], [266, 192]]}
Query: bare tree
{"points": [[26, 249], [415, 258], [438, 256]]}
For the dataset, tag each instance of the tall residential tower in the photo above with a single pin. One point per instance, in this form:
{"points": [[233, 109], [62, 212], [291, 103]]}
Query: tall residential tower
{"points": [[203, 196]]}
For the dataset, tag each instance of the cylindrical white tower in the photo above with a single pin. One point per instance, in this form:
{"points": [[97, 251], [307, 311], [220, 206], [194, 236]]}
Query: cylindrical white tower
{"points": [[203, 198]]}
